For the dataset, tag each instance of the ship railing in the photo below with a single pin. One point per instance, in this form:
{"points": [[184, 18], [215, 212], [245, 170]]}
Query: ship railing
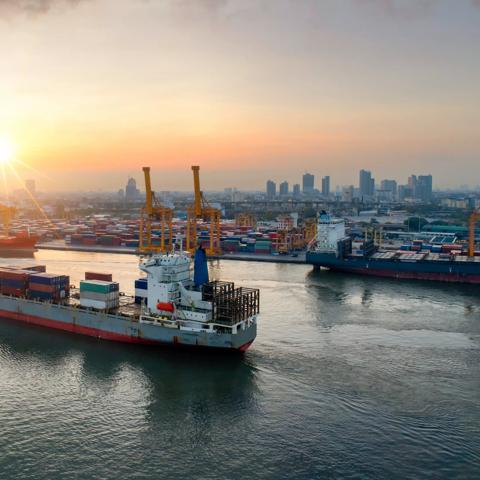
{"points": [[210, 327], [72, 305]]}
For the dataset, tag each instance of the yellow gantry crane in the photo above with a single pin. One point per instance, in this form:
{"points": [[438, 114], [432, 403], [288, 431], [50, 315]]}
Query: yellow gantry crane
{"points": [[471, 231], [245, 220], [310, 230], [201, 210], [7, 213], [154, 214]]}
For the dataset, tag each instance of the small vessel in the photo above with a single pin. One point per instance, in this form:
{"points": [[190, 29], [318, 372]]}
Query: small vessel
{"points": [[332, 249], [181, 308], [21, 241]]}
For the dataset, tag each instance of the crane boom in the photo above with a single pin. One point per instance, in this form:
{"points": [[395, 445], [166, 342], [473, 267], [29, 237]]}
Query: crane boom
{"points": [[148, 191], [197, 191]]}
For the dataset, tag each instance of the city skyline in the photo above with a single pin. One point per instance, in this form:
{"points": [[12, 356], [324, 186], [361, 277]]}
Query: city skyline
{"points": [[242, 88]]}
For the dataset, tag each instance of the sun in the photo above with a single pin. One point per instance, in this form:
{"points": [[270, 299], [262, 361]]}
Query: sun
{"points": [[7, 150]]}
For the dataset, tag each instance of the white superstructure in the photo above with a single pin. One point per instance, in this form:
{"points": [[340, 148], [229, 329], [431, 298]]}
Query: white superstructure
{"points": [[174, 301], [165, 274], [329, 232]]}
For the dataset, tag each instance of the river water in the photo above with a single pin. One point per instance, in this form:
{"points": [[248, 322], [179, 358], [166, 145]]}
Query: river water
{"points": [[349, 377]]}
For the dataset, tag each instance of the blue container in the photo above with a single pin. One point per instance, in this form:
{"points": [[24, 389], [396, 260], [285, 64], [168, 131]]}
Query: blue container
{"points": [[141, 283], [11, 283], [42, 295], [405, 247], [47, 278]]}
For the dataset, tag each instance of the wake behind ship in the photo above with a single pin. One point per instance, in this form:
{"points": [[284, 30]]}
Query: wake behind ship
{"points": [[177, 307], [332, 249]]}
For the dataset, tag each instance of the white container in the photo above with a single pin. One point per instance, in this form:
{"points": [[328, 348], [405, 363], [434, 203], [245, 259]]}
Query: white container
{"points": [[140, 292], [98, 304], [105, 297]]}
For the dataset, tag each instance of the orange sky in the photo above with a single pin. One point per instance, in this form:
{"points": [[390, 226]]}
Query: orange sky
{"points": [[249, 90]]}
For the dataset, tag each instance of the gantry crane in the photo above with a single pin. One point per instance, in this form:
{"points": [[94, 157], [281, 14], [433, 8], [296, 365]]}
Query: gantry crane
{"points": [[154, 213], [474, 217], [7, 213], [310, 230], [201, 210], [245, 220]]}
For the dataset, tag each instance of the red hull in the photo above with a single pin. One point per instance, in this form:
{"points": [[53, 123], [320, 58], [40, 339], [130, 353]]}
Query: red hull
{"points": [[437, 277], [18, 243], [70, 327], [93, 332]]}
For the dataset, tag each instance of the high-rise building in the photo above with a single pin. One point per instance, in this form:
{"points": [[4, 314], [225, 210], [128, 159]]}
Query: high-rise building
{"points": [[347, 193], [412, 185], [271, 189], [283, 189], [326, 186], [30, 186], [367, 184], [131, 191], [308, 183], [389, 186], [424, 188], [296, 190]]}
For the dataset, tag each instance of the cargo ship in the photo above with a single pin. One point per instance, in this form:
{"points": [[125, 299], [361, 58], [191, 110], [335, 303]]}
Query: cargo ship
{"points": [[24, 242], [179, 307], [332, 249]]}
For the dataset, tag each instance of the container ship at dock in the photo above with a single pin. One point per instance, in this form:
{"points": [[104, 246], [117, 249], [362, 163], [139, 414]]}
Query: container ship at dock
{"points": [[332, 249], [20, 242], [175, 305]]}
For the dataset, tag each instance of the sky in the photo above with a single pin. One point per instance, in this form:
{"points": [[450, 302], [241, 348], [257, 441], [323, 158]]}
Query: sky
{"points": [[92, 90]]}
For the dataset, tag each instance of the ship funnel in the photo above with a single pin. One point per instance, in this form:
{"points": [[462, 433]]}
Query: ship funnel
{"points": [[200, 272]]}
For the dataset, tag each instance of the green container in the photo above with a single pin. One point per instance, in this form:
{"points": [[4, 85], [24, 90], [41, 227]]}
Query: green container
{"points": [[96, 286]]}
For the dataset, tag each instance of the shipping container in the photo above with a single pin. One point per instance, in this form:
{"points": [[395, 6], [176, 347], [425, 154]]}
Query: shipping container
{"points": [[106, 277], [49, 279], [17, 292], [98, 286], [54, 297], [42, 287], [99, 305], [105, 297], [141, 283]]}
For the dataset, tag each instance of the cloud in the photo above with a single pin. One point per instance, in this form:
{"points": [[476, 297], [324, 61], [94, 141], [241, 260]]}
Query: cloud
{"points": [[32, 7]]}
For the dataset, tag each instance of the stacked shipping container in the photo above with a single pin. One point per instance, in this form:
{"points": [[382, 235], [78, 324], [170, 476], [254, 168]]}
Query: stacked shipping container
{"points": [[13, 282], [46, 286], [99, 295]]}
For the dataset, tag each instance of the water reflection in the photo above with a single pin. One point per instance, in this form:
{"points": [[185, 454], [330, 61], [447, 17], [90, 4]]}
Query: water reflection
{"points": [[169, 374]]}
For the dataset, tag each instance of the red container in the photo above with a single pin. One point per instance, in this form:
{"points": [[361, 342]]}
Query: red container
{"points": [[41, 287], [13, 275], [105, 277], [18, 292]]}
